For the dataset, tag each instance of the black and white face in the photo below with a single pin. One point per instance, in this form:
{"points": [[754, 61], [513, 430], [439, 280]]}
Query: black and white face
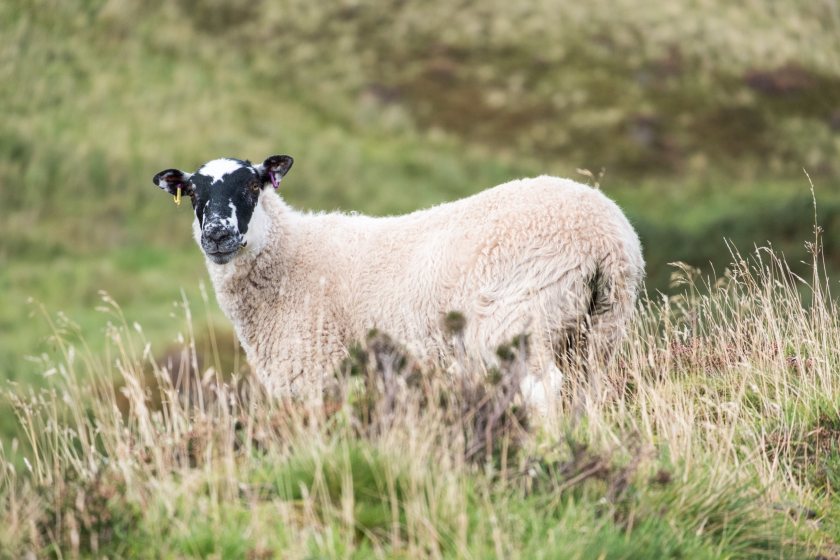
{"points": [[225, 196]]}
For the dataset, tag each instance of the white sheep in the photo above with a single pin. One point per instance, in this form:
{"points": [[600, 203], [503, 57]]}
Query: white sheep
{"points": [[544, 255]]}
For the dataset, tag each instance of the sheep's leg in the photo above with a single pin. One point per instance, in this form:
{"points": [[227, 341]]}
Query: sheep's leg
{"points": [[571, 360], [297, 364], [541, 390], [540, 379]]}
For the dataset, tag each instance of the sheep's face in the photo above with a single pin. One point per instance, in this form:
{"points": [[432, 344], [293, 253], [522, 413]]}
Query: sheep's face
{"points": [[225, 195]]}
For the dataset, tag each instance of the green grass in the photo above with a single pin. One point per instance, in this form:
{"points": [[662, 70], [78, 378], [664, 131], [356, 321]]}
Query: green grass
{"points": [[98, 98], [703, 115], [716, 438]]}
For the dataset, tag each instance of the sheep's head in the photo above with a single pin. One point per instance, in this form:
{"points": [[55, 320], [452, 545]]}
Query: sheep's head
{"points": [[225, 194]]}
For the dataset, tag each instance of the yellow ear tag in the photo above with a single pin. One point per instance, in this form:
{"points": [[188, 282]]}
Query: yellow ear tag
{"points": [[177, 197]]}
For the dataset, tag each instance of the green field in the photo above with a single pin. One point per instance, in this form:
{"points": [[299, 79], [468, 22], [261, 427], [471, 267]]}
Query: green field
{"points": [[698, 117]]}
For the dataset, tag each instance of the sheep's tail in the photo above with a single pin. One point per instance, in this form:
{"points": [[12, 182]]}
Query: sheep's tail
{"points": [[611, 292], [613, 288]]}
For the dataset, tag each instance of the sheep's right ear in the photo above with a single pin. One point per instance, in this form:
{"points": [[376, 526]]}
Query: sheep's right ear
{"points": [[171, 180]]}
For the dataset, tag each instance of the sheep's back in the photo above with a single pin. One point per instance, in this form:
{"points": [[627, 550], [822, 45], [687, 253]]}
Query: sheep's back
{"points": [[490, 255]]}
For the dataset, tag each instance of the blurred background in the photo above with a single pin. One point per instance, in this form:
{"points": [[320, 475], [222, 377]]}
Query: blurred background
{"points": [[697, 116]]}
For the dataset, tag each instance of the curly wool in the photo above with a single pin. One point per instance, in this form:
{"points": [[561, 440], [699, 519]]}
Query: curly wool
{"points": [[543, 255]]}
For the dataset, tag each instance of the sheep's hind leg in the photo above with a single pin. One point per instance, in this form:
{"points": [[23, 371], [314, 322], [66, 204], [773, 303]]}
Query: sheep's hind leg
{"points": [[541, 389]]}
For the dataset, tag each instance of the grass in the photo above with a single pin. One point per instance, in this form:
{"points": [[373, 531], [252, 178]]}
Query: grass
{"points": [[98, 99], [719, 436], [716, 438]]}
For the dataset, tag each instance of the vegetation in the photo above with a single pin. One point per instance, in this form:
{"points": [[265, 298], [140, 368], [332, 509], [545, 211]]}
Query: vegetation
{"points": [[714, 434], [702, 114], [718, 435]]}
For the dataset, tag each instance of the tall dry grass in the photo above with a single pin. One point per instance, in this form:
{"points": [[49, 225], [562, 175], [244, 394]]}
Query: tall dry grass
{"points": [[715, 437]]}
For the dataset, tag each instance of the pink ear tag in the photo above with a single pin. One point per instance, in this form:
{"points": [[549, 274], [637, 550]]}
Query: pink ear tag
{"points": [[274, 180]]}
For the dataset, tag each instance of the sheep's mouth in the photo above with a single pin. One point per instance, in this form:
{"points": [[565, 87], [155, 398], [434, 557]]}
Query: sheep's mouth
{"points": [[222, 252], [221, 257]]}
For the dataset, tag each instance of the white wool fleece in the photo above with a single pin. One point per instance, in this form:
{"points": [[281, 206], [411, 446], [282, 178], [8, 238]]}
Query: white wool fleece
{"points": [[542, 255]]}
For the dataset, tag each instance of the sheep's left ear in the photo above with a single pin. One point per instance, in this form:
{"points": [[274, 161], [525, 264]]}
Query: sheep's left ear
{"points": [[171, 180], [274, 168]]}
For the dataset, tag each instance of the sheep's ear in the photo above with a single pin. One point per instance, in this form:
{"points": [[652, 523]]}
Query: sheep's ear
{"points": [[274, 168], [171, 180]]}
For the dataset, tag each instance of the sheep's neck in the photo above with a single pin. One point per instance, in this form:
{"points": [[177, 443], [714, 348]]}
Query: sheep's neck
{"points": [[250, 288]]}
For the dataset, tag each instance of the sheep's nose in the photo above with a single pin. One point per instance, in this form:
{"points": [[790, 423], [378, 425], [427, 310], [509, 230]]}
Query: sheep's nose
{"points": [[218, 234]]}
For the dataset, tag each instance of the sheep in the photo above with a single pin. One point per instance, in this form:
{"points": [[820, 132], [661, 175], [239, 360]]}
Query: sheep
{"points": [[545, 255]]}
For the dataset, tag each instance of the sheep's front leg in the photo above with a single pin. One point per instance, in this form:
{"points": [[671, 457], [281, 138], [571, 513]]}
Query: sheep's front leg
{"points": [[297, 363]]}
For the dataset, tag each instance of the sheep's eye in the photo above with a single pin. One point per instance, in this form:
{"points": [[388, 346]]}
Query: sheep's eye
{"points": [[255, 187]]}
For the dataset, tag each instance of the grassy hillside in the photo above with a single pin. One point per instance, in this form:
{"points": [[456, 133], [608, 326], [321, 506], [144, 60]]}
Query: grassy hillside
{"points": [[714, 435], [701, 116], [698, 117]]}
